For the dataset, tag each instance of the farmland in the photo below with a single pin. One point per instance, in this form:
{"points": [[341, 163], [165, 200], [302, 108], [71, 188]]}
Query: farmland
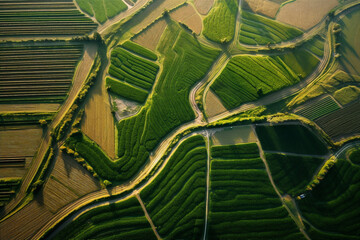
{"points": [[102, 9], [259, 30], [203, 6], [318, 109], [8, 187], [264, 7], [187, 15], [242, 200], [37, 73], [150, 36], [34, 18], [175, 199], [219, 24], [233, 135], [332, 205], [280, 138], [213, 104]]}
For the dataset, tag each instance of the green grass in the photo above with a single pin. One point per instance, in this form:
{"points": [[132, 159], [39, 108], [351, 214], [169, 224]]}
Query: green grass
{"points": [[292, 174], [102, 10], [290, 138], [123, 220], [347, 94], [175, 199], [126, 90], [259, 30], [247, 150], [132, 69], [219, 25], [136, 48], [243, 203], [319, 108], [354, 155], [333, 205], [316, 46], [247, 78]]}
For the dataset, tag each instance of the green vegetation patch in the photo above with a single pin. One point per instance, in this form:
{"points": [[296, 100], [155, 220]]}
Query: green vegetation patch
{"points": [[175, 199], [126, 90], [292, 174], [102, 10], [333, 205], [347, 94], [290, 138], [318, 109], [243, 150], [123, 220], [132, 69], [25, 118], [136, 48], [259, 30], [315, 46], [219, 25], [354, 155], [243, 203]]}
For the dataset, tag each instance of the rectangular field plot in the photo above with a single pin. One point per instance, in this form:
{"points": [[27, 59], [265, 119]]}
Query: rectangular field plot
{"points": [[7, 189], [233, 135], [243, 203], [318, 109], [294, 138], [50, 18], [37, 73]]}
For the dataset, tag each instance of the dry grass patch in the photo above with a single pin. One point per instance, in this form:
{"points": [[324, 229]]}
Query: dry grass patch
{"points": [[203, 6], [233, 135], [150, 36], [213, 105], [29, 107], [305, 14], [264, 7], [187, 15]]}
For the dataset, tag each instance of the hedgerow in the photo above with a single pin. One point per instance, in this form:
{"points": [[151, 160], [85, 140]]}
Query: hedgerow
{"points": [[126, 90], [136, 48]]}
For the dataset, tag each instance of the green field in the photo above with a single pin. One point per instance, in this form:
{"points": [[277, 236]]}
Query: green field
{"points": [[318, 109], [123, 220], [292, 174], [259, 30], [333, 205], [219, 25], [315, 46], [136, 48], [354, 156], [175, 199], [37, 73], [126, 90], [243, 203], [290, 138], [347, 94], [102, 10]]}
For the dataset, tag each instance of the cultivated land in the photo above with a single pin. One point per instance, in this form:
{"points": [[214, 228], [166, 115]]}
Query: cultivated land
{"points": [[179, 119]]}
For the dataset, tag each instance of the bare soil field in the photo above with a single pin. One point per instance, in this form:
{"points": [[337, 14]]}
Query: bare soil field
{"points": [[187, 15], [29, 107], [150, 36], [305, 14], [98, 121], [213, 105], [203, 6], [264, 7], [233, 135]]}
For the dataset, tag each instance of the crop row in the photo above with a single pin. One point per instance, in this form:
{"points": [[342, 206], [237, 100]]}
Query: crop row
{"points": [[123, 220], [316, 46], [136, 48], [259, 30], [243, 203], [292, 174], [132, 69], [333, 204], [290, 138], [246, 78], [175, 198], [318, 109], [219, 25], [8, 188], [126, 90], [24, 118]]}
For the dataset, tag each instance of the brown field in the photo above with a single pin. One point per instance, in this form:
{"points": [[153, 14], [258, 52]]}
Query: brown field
{"points": [[68, 181], [98, 121], [29, 107], [342, 123], [25, 223], [264, 7], [213, 105], [233, 135], [187, 15], [305, 14], [203, 6], [150, 36]]}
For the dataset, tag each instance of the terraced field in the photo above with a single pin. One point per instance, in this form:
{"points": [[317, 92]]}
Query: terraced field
{"points": [[259, 30], [34, 18], [243, 203], [8, 188], [175, 198], [37, 73], [219, 25], [332, 207], [318, 109], [123, 220]]}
